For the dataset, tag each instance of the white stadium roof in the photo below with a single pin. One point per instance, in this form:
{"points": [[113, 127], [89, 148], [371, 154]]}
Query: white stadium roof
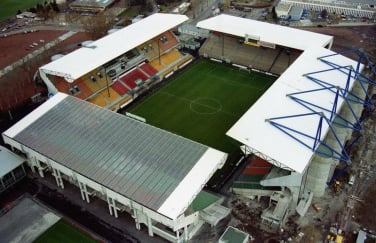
{"points": [[254, 131], [276, 34], [155, 168], [86, 59]]}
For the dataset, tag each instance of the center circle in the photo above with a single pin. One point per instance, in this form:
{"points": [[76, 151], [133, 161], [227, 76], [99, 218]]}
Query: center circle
{"points": [[205, 106]]}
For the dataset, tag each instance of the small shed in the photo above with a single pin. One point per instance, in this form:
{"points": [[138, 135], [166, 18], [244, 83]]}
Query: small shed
{"points": [[296, 13]]}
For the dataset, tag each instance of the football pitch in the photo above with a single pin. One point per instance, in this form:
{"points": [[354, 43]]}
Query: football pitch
{"points": [[9, 8], [203, 101], [64, 232]]}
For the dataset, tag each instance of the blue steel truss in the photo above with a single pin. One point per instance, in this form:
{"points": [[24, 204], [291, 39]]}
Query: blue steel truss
{"points": [[333, 111], [346, 92], [316, 142], [363, 57]]}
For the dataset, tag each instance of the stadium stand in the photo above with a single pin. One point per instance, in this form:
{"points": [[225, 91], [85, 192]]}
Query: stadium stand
{"points": [[110, 94], [96, 82], [150, 49], [237, 52], [99, 100], [284, 60], [133, 78], [257, 166], [77, 88], [120, 88], [171, 57], [255, 171], [148, 69]]}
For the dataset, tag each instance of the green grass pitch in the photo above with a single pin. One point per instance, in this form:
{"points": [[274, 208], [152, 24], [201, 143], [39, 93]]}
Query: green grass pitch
{"points": [[9, 8], [203, 101], [63, 232]]}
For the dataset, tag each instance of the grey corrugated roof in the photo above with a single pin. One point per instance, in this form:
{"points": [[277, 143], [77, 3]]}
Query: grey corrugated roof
{"points": [[92, 3], [8, 161], [137, 160]]}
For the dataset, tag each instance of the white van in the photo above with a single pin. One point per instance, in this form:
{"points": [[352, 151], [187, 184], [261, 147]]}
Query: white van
{"points": [[352, 180]]}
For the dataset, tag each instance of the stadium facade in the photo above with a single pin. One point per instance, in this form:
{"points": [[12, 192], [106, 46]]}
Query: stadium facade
{"points": [[297, 129]]}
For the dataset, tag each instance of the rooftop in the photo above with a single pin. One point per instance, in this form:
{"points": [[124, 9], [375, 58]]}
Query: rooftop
{"points": [[271, 33], [157, 169], [254, 130], [78, 63]]}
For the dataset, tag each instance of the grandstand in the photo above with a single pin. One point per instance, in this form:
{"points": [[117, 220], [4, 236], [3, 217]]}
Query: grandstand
{"points": [[258, 45], [154, 175], [301, 124], [110, 72]]}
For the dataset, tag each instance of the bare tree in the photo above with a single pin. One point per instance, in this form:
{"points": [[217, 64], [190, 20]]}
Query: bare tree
{"points": [[324, 14], [97, 25]]}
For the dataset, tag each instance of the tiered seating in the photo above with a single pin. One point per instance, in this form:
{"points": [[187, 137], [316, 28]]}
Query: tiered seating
{"points": [[166, 59], [80, 89], [257, 166], [99, 100], [171, 57], [253, 174], [148, 69], [170, 41], [97, 83], [155, 64], [123, 101], [85, 91], [150, 48], [247, 55], [119, 88], [61, 84], [131, 77], [113, 95]]}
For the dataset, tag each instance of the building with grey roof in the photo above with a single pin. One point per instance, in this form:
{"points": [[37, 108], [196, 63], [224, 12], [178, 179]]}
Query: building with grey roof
{"points": [[137, 168], [11, 168], [363, 8], [90, 5]]}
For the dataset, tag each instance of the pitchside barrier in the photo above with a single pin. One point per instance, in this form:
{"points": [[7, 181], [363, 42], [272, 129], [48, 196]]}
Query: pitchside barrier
{"points": [[138, 118]]}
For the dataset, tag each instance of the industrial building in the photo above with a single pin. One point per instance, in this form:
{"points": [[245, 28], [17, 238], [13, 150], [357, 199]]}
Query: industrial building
{"points": [[365, 8], [302, 122], [92, 6]]}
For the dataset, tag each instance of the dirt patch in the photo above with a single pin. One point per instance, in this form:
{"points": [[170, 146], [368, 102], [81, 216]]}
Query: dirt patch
{"points": [[14, 47], [346, 38], [18, 85]]}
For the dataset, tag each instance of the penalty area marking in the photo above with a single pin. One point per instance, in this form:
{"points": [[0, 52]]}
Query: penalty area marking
{"points": [[205, 106]]}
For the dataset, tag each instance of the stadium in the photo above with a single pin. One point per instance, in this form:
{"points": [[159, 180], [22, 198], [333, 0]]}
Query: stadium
{"points": [[289, 104]]}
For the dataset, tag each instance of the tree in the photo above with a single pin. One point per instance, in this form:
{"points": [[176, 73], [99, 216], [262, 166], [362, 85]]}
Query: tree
{"points": [[97, 25], [324, 14]]}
